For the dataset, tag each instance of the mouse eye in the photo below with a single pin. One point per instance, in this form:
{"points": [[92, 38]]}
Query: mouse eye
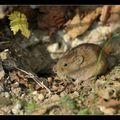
{"points": [[65, 64]]}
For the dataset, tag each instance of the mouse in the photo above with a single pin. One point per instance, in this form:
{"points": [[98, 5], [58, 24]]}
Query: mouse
{"points": [[83, 62]]}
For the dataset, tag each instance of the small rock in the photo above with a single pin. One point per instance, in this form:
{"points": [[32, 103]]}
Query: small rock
{"points": [[16, 84], [35, 98], [55, 97], [6, 109], [16, 108], [75, 94], [23, 95], [46, 38], [4, 54], [107, 111], [55, 88], [16, 91], [49, 79], [62, 94], [2, 112], [7, 95], [41, 97], [34, 93], [39, 111]]}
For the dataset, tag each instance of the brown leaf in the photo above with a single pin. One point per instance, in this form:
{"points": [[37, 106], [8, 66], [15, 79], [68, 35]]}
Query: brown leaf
{"points": [[115, 9], [110, 103], [39, 111], [109, 107], [52, 17], [78, 26], [105, 13], [19, 77], [110, 14]]}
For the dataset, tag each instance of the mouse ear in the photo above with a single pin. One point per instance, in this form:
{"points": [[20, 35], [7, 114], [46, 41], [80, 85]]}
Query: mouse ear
{"points": [[79, 60]]}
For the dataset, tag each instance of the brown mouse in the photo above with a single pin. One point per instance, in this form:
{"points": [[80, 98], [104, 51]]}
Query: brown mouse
{"points": [[82, 62]]}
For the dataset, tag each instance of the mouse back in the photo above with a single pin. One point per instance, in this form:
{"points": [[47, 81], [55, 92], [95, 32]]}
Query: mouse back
{"points": [[79, 59]]}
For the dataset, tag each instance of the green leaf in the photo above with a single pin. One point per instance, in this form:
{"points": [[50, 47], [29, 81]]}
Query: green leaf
{"points": [[18, 21]]}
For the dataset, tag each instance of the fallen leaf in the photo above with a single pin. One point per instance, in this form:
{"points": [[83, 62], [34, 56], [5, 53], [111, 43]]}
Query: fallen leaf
{"points": [[78, 26], [19, 77], [105, 13], [39, 111], [52, 17], [115, 8], [110, 14], [107, 89], [109, 107]]}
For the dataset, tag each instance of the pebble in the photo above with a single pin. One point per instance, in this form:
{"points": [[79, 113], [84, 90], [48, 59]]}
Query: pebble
{"points": [[16, 108], [2, 112], [50, 79], [55, 97], [23, 95], [41, 97], [35, 98], [75, 94], [34, 93], [6, 94], [6, 110], [16, 84], [62, 94], [16, 90]]}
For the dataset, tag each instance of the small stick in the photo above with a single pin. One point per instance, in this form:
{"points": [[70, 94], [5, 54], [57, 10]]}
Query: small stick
{"points": [[35, 78]]}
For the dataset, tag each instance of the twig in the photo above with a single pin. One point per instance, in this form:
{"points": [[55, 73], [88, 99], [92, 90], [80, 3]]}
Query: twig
{"points": [[35, 78]]}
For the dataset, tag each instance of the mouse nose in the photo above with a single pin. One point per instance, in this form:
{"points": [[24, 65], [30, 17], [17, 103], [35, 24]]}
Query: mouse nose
{"points": [[54, 69]]}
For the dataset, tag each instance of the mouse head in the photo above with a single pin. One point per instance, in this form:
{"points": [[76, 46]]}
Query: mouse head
{"points": [[68, 64]]}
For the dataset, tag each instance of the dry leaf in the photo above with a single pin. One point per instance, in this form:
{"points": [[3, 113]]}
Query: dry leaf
{"points": [[52, 17], [78, 26], [107, 89], [115, 16], [110, 103], [39, 111], [115, 9], [105, 13], [19, 77], [109, 107], [110, 14]]}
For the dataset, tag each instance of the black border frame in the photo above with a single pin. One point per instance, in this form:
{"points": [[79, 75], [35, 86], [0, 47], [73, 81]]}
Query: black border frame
{"points": [[58, 2]]}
